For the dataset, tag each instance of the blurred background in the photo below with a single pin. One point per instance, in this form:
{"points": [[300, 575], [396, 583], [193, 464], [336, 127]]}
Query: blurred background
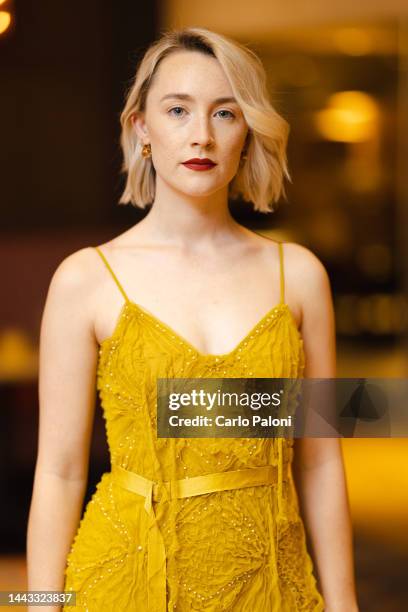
{"points": [[338, 73]]}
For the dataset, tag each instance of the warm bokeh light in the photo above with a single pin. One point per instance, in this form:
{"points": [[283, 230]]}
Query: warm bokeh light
{"points": [[5, 20], [353, 41], [378, 484], [18, 356], [350, 116], [379, 313]]}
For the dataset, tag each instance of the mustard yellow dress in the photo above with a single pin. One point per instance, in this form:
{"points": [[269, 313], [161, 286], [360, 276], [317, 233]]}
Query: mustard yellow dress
{"points": [[204, 524]]}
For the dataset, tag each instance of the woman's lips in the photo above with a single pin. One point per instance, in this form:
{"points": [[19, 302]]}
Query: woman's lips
{"points": [[199, 167]]}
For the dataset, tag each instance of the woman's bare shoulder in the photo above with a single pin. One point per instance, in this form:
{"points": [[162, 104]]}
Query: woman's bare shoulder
{"points": [[298, 251], [75, 272], [307, 282], [304, 266], [72, 291], [295, 254], [303, 269]]}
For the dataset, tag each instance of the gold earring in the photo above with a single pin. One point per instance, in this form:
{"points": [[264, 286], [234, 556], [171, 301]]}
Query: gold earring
{"points": [[243, 159], [146, 151]]}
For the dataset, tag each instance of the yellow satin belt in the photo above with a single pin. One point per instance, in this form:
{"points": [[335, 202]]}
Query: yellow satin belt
{"points": [[186, 487]]}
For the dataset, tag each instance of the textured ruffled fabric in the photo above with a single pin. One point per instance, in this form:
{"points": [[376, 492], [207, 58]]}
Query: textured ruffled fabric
{"points": [[237, 550]]}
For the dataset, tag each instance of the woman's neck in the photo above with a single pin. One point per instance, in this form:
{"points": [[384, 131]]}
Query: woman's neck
{"points": [[184, 220]]}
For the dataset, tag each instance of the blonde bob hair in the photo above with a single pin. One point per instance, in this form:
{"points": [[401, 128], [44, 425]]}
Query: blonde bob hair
{"points": [[260, 179]]}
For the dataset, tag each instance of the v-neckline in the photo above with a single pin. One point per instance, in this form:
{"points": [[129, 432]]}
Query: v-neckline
{"points": [[268, 316]]}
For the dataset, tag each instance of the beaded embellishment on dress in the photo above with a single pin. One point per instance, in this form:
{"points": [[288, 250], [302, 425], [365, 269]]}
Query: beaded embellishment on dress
{"points": [[140, 548]]}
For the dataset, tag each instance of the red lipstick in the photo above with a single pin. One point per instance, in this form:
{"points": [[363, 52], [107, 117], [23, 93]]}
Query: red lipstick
{"points": [[200, 164]]}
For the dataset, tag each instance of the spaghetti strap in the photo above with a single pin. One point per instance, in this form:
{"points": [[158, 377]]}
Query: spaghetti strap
{"points": [[97, 249], [282, 278]]}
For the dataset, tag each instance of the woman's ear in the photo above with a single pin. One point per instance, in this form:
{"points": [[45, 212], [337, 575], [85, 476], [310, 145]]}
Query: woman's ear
{"points": [[139, 125]]}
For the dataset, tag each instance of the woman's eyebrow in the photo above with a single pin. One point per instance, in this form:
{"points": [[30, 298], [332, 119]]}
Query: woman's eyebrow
{"points": [[183, 96]]}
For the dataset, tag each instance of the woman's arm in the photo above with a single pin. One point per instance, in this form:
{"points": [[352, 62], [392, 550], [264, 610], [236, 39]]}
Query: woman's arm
{"points": [[318, 467], [68, 355]]}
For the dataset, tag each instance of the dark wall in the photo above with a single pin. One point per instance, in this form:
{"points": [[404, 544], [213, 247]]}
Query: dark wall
{"points": [[65, 67]]}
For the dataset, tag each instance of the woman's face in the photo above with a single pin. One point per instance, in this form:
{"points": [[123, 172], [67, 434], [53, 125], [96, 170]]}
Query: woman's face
{"points": [[185, 118]]}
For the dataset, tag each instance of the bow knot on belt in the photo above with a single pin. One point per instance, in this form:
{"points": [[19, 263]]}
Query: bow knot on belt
{"points": [[161, 491]]}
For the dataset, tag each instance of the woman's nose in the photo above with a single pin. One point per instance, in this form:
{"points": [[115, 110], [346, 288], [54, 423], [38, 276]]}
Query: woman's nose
{"points": [[202, 133]]}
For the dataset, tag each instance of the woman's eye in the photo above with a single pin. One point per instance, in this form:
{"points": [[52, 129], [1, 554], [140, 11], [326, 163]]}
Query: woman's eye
{"points": [[231, 115], [177, 111], [176, 108]]}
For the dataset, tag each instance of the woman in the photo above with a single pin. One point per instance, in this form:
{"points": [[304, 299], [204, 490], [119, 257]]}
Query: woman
{"points": [[197, 129]]}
